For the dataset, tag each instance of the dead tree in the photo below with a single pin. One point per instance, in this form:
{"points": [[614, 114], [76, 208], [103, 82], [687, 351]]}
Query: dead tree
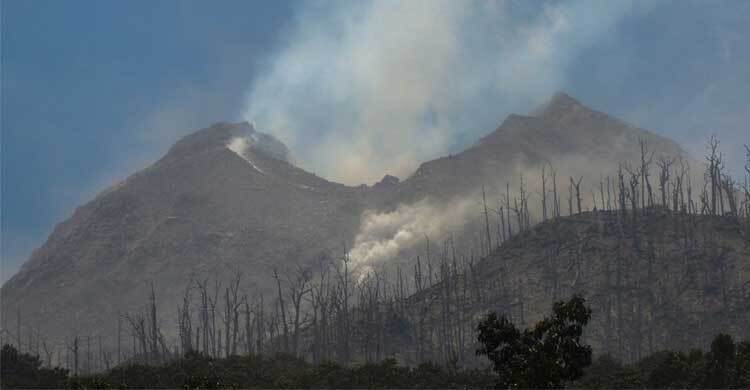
{"points": [[719, 174], [248, 326], [622, 191], [260, 324], [75, 350], [298, 288], [665, 165], [544, 193], [601, 192], [119, 337], [184, 321], [341, 304], [138, 330], [713, 161], [576, 185], [555, 198], [730, 190], [685, 168], [204, 323], [208, 317], [525, 222], [646, 160], [18, 329], [507, 207], [319, 299], [231, 315], [49, 350], [282, 311], [88, 354], [501, 224], [154, 331], [487, 222]]}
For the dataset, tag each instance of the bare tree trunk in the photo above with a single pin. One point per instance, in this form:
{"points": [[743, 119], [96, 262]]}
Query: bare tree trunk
{"points": [[282, 311], [297, 291], [18, 328], [75, 355], [154, 327], [119, 337], [507, 207], [544, 194], [487, 222], [713, 144], [646, 160], [260, 322]]}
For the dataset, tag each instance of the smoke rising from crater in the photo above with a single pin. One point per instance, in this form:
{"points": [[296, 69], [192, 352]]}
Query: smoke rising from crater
{"points": [[374, 87]]}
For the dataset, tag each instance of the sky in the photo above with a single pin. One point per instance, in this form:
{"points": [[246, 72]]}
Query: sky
{"points": [[92, 91]]}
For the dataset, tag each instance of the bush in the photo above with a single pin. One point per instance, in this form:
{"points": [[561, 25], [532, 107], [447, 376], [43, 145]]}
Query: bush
{"points": [[544, 357], [21, 370]]}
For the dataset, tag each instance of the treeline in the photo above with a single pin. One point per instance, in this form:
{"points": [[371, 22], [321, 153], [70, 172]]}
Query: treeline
{"points": [[199, 371], [426, 311], [725, 365]]}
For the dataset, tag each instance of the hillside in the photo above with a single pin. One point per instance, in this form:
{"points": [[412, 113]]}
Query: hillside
{"points": [[659, 281]]}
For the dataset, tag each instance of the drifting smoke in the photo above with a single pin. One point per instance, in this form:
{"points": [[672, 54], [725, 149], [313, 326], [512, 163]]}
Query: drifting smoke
{"points": [[240, 145], [374, 87], [383, 236]]}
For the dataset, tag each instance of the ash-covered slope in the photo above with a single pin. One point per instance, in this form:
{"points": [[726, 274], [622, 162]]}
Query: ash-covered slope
{"points": [[654, 281], [576, 140], [202, 209]]}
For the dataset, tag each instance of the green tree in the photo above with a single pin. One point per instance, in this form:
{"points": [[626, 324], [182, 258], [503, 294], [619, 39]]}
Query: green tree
{"points": [[24, 370], [607, 373], [720, 371], [678, 369], [742, 379], [544, 357]]}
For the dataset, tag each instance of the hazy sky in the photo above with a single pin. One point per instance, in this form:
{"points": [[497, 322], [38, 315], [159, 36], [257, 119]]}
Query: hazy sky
{"points": [[94, 90]]}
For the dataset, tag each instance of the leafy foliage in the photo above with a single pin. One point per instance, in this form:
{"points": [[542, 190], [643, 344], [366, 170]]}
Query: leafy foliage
{"points": [[726, 365], [543, 357], [197, 371], [20, 370]]}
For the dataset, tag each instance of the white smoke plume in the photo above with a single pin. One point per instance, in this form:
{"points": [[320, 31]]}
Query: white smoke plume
{"points": [[240, 145], [384, 236], [374, 87]]}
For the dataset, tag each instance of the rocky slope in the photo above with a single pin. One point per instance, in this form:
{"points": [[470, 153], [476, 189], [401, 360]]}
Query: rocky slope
{"points": [[202, 209]]}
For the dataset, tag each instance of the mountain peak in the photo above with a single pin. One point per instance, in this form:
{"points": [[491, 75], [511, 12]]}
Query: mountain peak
{"points": [[222, 134], [387, 181], [560, 104]]}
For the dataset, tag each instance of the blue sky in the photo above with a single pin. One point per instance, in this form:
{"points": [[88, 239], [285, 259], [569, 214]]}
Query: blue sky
{"points": [[94, 90]]}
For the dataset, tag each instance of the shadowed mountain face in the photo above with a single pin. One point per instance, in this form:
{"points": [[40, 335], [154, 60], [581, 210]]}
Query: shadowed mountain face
{"points": [[202, 209], [225, 199]]}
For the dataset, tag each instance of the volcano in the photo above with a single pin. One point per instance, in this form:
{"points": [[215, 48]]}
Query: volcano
{"points": [[226, 200]]}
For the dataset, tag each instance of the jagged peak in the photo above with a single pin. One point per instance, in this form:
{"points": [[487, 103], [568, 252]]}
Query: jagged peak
{"points": [[387, 181]]}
